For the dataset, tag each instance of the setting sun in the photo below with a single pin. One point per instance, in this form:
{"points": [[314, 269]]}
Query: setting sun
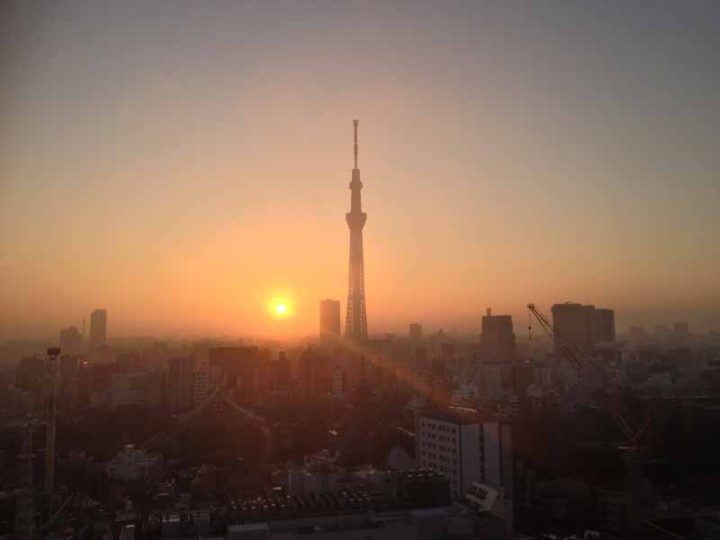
{"points": [[280, 308]]}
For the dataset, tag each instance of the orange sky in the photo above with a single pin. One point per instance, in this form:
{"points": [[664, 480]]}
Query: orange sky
{"points": [[181, 179]]}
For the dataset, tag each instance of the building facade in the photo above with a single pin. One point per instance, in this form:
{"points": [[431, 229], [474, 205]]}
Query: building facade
{"points": [[98, 328], [466, 446], [415, 332], [604, 325], [70, 340], [498, 339], [582, 326], [330, 320]]}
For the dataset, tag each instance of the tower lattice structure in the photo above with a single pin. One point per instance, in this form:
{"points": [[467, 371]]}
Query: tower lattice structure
{"points": [[356, 317]]}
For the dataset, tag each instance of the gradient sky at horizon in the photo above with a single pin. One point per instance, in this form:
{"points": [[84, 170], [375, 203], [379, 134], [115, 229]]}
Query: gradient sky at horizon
{"points": [[181, 163]]}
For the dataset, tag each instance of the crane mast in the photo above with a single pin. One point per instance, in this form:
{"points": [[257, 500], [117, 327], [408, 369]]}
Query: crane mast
{"points": [[579, 359]]}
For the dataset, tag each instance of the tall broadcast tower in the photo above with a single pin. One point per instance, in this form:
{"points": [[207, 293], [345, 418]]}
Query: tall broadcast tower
{"points": [[356, 318]]}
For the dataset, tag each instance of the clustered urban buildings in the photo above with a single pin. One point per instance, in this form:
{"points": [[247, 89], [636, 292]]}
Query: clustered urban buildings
{"points": [[491, 431], [577, 431]]}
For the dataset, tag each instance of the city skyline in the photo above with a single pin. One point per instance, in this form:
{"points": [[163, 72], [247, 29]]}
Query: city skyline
{"points": [[202, 337], [181, 194]]}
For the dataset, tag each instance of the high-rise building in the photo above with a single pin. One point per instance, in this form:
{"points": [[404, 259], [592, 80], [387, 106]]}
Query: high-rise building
{"points": [[465, 446], [604, 325], [330, 320], [356, 316], [498, 339], [70, 340], [574, 322], [98, 328], [416, 331], [497, 355], [583, 326]]}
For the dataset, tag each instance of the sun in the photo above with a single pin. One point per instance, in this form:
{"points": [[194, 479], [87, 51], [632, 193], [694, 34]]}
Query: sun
{"points": [[280, 308]]}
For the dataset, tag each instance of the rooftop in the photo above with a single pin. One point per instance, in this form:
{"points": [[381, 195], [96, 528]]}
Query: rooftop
{"points": [[463, 415]]}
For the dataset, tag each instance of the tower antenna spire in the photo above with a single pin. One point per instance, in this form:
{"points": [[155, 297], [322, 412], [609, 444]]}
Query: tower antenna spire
{"points": [[355, 129]]}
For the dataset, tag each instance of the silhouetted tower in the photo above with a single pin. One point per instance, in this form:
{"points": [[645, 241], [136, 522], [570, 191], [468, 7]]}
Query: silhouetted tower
{"points": [[356, 317], [50, 418]]}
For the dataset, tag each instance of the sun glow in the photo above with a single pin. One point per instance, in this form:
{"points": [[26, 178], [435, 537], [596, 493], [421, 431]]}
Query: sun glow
{"points": [[280, 308]]}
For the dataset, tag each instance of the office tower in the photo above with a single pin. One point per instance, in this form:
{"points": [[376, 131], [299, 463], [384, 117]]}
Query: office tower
{"points": [[497, 355], [70, 340], [604, 325], [416, 331], [574, 322], [465, 446], [330, 320], [98, 328], [356, 317], [181, 383], [498, 340], [582, 326]]}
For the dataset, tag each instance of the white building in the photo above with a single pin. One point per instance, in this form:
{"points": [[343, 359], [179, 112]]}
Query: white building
{"points": [[133, 465], [466, 446]]}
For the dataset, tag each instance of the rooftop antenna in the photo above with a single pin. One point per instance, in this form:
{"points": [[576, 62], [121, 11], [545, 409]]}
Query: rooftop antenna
{"points": [[355, 127]]}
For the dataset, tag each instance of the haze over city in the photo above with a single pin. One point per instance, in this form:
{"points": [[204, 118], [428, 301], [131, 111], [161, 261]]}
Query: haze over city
{"points": [[359, 269], [182, 167]]}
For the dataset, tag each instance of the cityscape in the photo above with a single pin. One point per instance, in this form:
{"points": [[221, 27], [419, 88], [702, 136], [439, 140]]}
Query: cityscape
{"points": [[344, 380]]}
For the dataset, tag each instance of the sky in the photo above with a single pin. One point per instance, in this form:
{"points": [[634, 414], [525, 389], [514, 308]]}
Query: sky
{"points": [[183, 164]]}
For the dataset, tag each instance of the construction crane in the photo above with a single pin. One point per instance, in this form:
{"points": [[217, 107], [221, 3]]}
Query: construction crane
{"points": [[26, 515], [50, 415], [579, 360]]}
